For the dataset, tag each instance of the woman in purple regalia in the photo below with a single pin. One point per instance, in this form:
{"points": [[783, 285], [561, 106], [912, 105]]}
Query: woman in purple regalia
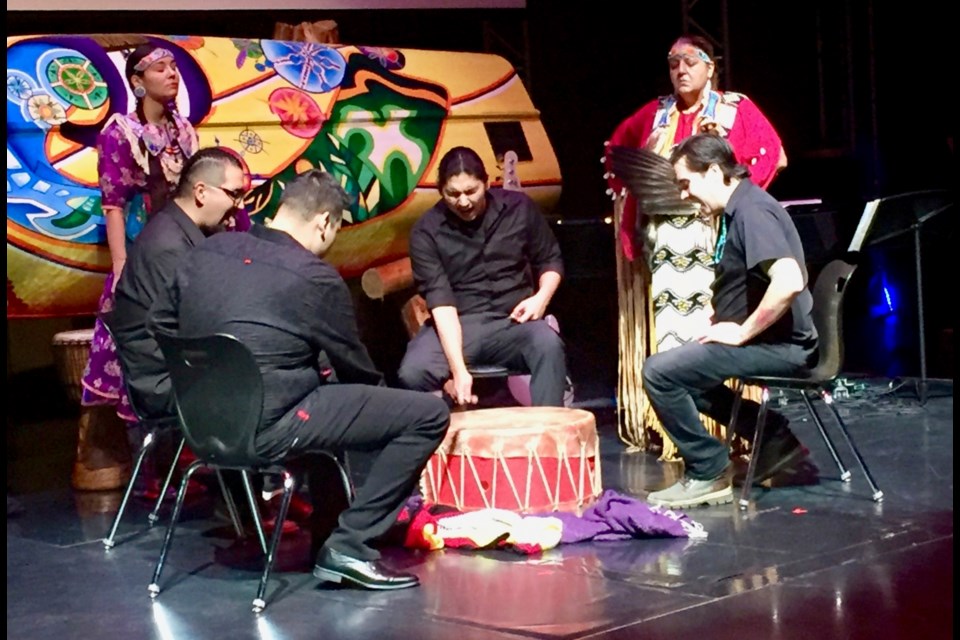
{"points": [[140, 158]]}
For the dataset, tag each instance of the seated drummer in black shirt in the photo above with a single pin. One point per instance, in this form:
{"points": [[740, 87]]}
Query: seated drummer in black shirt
{"points": [[472, 256]]}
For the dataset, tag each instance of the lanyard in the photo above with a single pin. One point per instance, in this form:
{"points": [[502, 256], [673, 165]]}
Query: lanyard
{"points": [[721, 239]]}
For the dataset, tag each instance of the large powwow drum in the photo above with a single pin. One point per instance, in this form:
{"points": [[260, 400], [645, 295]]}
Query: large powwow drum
{"points": [[71, 350], [524, 459]]}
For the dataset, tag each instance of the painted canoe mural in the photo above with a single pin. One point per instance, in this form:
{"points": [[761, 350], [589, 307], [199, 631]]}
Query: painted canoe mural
{"points": [[379, 119]]}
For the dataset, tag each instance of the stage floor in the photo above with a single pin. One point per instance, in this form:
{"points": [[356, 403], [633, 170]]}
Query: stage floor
{"points": [[815, 560]]}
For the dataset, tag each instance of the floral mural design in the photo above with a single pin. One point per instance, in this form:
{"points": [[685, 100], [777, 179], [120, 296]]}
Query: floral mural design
{"points": [[44, 108], [299, 113], [75, 80], [190, 43], [19, 87], [389, 58], [312, 67], [250, 50], [378, 154]]}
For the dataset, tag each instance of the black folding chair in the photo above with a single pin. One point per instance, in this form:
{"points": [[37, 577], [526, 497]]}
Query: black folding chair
{"points": [[828, 295], [219, 396], [155, 428], [484, 371]]}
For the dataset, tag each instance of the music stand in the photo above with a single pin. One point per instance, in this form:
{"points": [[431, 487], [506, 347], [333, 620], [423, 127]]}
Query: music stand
{"points": [[886, 218]]}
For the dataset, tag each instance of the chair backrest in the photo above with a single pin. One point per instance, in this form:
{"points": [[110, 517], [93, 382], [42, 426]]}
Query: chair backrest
{"points": [[219, 395], [828, 295]]}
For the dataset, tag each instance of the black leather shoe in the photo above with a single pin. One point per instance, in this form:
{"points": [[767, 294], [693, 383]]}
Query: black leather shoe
{"points": [[333, 566]]}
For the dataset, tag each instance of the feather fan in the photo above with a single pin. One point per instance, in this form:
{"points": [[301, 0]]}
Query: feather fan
{"points": [[651, 180]]}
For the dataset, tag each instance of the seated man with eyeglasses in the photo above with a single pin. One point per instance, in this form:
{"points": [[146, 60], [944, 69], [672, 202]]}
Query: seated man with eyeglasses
{"points": [[207, 198], [272, 290]]}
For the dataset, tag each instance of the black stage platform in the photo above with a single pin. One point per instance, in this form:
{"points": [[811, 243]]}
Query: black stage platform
{"points": [[817, 560]]}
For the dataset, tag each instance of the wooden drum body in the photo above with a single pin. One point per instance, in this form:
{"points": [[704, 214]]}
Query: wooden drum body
{"points": [[524, 459], [103, 454], [71, 350]]}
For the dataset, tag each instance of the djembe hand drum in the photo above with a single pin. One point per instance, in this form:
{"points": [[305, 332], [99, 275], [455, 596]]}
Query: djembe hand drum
{"points": [[103, 454]]}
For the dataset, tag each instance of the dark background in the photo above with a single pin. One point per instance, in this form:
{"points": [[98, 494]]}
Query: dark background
{"points": [[858, 90]]}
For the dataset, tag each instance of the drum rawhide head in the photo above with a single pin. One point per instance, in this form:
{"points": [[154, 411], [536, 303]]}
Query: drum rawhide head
{"points": [[73, 336]]}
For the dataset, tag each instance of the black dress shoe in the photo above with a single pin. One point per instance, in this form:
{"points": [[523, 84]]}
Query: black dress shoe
{"points": [[333, 566]]}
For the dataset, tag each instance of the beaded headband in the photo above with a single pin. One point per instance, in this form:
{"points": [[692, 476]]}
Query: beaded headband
{"points": [[152, 57], [687, 49]]}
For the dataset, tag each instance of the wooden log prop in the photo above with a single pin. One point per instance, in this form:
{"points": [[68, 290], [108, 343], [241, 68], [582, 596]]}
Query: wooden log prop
{"points": [[321, 31], [378, 282]]}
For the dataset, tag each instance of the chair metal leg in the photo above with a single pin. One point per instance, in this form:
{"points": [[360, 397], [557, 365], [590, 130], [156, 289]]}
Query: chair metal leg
{"points": [[343, 466], [155, 514], [231, 506], [757, 439], [288, 486], [148, 442], [255, 510], [844, 472], [828, 399], [154, 587], [735, 411]]}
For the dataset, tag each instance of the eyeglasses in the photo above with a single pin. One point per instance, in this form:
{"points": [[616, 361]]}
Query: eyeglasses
{"points": [[234, 194]]}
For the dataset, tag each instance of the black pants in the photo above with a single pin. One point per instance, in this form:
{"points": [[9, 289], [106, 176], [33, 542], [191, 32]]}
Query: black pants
{"points": [[490, 339], [688, 380], [402, 428]]}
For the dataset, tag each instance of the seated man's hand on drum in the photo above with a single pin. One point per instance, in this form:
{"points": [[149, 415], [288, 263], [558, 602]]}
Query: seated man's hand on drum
{"points": [[460, 388]]}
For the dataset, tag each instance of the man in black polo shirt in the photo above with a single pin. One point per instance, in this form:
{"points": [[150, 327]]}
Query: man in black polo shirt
{"points": [[270, 289], [474, 255], [761, 325]]}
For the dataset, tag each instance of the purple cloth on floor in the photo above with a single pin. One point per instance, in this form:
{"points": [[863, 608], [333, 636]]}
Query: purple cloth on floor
{"points": [[618, 517]]}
